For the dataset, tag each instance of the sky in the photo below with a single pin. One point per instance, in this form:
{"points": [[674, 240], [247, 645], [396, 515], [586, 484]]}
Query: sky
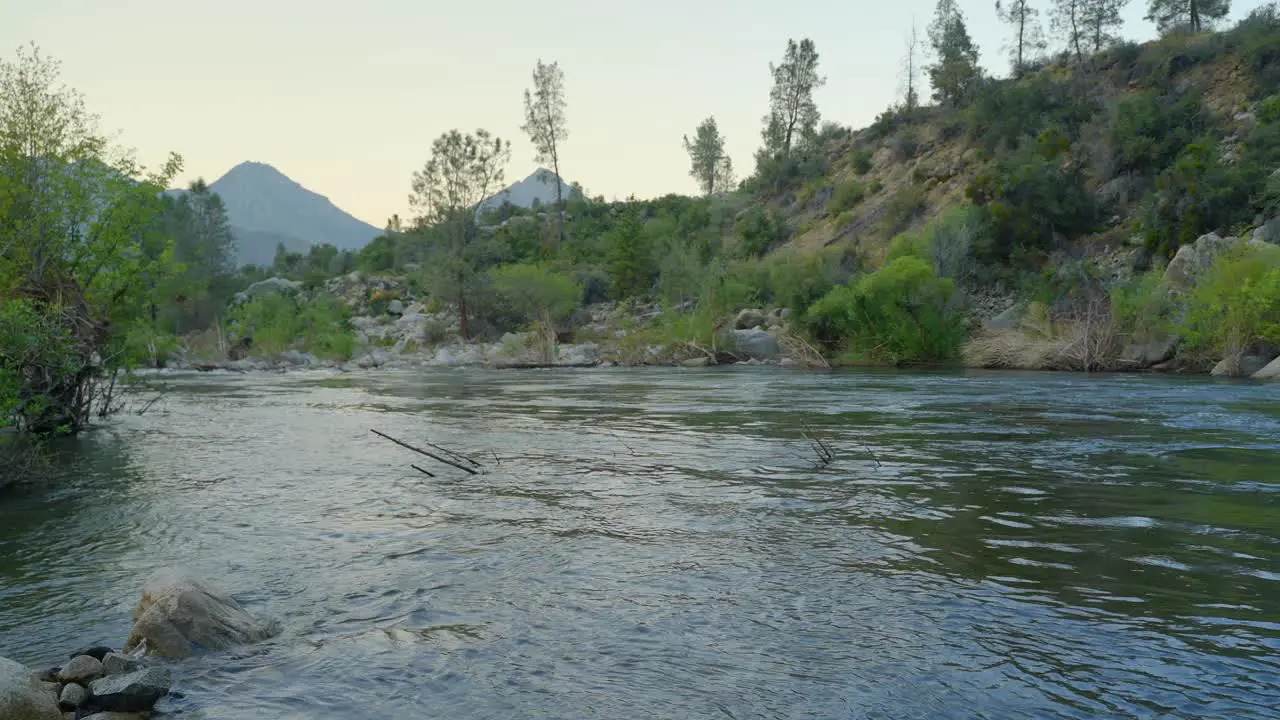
{"points": [[346, 96]]}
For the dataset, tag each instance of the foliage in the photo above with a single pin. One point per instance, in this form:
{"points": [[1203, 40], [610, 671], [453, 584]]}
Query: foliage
{"points": [[82, 251], [709, 163], [902, 313], [759, 230], [846, 197], [1197, 194], [1030, 197], [955, 72], [793, 115], [529, 293], [1028, 38], [1004, 114], [630, 261], [544, 122], [901, 210], [1149, 130], [947, 243], [277, 322], [1236, 304], [862, 160], [1192, 15]]}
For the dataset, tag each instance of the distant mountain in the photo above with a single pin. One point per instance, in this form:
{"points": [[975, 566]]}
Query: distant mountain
{"points": [[540, 186], [265, 208]]}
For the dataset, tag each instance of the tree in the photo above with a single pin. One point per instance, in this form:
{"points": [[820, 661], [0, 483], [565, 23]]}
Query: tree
{"points": [[793, 115], [1193, 15], [1028, 40], [911, 71], [954, 72], [81, 246], [462, 171], [710, 165], [1100, 20], [544, 121], [1066, 19]]}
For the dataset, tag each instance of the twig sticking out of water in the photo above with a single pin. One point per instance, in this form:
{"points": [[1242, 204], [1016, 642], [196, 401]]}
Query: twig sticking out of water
{"points": [[619, 439], [431, 455], [820, 448], [147, 407], [424, 472], [872, 453], [497, 460]]}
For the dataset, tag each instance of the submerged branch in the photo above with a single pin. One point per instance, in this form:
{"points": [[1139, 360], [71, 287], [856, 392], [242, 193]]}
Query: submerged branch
{"points": [[429, 454]]}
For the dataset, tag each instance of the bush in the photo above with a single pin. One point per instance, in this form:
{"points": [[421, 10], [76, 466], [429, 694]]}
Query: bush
{"points": [[278, 322], [901, 314], [525, 294], [1198, 194], [1149, 130], [862, 160], [903, 208], [846, 197], [1006, 112], [1237, 304], [758, 230], [1259, 38], [947, 243]]}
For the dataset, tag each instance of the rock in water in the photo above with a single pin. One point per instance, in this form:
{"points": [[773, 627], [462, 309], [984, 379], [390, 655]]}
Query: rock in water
{"points": [[136, 692], [22, 697], [117, 664], [757, 344], [94, 651], [1244, 366], [1270, 372], [81, 669], [73, 696], [179, 615], [116, 716]]}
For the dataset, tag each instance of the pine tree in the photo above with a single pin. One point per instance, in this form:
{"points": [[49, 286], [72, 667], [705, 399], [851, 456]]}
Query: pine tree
{"points": [[1028, 39], [1101, 21], [544, 121], [793, 115], [955, 69], [911, 71], [1193, 15]]}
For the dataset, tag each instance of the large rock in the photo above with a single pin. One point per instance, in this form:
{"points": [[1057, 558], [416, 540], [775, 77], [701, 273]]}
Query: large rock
{"points": [[136, 692], [116, 716], [748, 319], [273, 286], [73, 696], [756, 344], [80, 669], [1190, 264], [395, 307], [1270, 372], [117, 664], [1151, 352], [581, 354], [94, 651], [1244, 366], [179, 615], [22, 697]]}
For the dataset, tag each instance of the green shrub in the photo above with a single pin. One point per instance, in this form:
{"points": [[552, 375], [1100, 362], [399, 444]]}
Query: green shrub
{"points": [[528, 293], [1149, 130], [846, 197], [902, 313], [1143, 308], [145, 346], [874, 187], [1198, 194], [1259, 38], [758, 230], [947, 242], [1006, 112], [278, 322], [862, 160], [1237, 303], [809, 190], [903, 208]]}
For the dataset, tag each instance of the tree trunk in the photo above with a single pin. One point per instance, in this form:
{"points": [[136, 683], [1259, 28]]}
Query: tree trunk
{"points": [[1075, 31], [1195, 16], [462, 314]]}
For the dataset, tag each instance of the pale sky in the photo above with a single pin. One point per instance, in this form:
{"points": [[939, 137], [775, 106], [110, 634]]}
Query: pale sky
{"points": [[345, 96]]}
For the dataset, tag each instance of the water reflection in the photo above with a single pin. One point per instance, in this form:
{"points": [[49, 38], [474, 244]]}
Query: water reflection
{"points": [[663, 544]]}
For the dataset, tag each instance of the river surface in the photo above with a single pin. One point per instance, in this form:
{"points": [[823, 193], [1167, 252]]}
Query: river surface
{"points": [[664, 544]]}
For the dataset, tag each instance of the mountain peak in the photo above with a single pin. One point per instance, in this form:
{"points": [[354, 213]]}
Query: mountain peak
{"points": [[539, 186]]}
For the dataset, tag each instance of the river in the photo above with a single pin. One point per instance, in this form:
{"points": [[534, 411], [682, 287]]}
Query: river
{"points": [[664, 544]]}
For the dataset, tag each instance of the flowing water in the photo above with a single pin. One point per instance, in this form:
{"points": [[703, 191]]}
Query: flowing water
{"points": [[662, 544]]}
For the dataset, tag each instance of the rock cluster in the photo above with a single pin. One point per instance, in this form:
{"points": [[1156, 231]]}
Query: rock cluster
{"points": [[95, 683]]}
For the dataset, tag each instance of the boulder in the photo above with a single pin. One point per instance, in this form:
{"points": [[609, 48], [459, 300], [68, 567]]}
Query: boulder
{"points": [[1244, 366], [1191, 262], [1270, 372], [298, 358], [116, 716], [179, 615], [374, 358], [73, 696], [93, 651], [117, 664], [273, 286], [22, 697], [80, 669], [1151, 352], [696, 362], [136, 692], [582, 354], [395, 307], [748, 319], [756, 344]]}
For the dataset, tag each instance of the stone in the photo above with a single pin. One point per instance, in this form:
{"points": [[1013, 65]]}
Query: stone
{"points": [[748, 319], [756, 344], [1244, 366], [73, 696], [395, 307], [117, 664], [50, 675], [93, 651], [273, 286], [581, 354], [54, 688], [179, 615], [696, 362], [116, 716], [789, 362], [1270, 372], [136, 692], [1151, 352], [22, 697], [1191, 262], [80, 669], [299, 358], [373, 359]]}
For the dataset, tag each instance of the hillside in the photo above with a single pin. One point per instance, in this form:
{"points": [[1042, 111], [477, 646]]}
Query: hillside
{"points": [[266, 208]]}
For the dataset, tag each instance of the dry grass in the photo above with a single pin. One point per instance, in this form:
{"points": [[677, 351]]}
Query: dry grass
{"points": [[1087, 341], [798, 349]]}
